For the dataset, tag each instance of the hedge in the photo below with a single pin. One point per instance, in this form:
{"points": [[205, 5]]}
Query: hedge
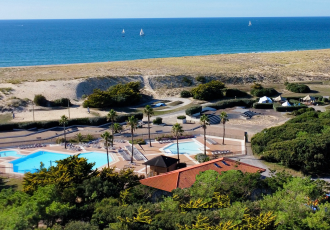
{"points": [[158, 121], [297, 88], [234, 93], [263, 105], [185, 94], [231, 103], [193, 110], [263, 92], [181, 117], [288, 108], [94, 121]]}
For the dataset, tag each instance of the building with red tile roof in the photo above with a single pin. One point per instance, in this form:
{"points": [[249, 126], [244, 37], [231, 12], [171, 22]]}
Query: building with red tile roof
{"points": [[186, 177]]}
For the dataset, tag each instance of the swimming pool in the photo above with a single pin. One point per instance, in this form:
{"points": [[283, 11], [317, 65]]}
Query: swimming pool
{"points": [[31, 163], [190, 148], [10, 154]]}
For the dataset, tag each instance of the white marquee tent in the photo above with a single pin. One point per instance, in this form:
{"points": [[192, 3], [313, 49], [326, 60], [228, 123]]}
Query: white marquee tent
{"points": [[265, 100], [286, 104]]}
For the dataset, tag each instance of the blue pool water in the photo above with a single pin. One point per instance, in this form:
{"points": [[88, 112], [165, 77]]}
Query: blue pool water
{"points": [[190, 148], [31, 163], [10, 154]]}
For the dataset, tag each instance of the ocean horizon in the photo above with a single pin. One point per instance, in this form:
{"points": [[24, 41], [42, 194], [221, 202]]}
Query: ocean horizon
{"points": [[70, 41]]}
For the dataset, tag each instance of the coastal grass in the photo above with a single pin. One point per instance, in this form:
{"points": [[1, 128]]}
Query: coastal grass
{"points": [[5, 118], [280, 168], [229, 67]]}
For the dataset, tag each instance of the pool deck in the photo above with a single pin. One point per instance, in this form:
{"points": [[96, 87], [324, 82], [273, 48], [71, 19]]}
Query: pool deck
{"points": [[237, 147]]}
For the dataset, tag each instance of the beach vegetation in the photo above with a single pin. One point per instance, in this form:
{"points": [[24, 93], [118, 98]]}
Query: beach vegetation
{"points": [[187, 80], [157, 121], [234, 93], [6, 90], [302, 143], [185, 94], [175, 103], [201, 79], [40, 100], [119, 95], [297, 87], [223, 104], [208, 91], [259, 91], [193, 110]]}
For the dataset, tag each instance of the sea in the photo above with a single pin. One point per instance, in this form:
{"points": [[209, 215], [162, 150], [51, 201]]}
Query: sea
{"points": [[48, 42]]}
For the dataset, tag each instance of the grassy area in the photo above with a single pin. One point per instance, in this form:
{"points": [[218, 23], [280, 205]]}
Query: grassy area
{"points": [[175, 103], [280, 168], [231, 67], [5, 118], [6, 91]]}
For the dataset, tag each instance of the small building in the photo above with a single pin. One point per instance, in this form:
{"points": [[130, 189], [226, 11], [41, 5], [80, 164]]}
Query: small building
{"points": [[186, 177], [161, 164], [265, 100]]}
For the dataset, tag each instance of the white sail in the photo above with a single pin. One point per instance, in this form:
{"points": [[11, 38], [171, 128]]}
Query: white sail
{"points": [[250, 24], [141, 33], [123, 31]]}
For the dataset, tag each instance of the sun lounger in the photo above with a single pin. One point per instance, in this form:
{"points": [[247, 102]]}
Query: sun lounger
{"points": [[209, 140], [125, 155]]}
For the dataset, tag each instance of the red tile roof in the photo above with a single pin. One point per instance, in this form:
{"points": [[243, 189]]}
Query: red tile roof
{"points": [[185, 177]]}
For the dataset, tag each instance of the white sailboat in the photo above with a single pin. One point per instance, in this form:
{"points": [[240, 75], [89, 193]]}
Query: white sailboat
{"points": [[123, 33], [141, 33], [250, 24]]}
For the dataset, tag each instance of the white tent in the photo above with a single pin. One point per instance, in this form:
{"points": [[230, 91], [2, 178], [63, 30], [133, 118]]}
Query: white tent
{"points": [[265, 100], [308, 98], [286, 104], [279, 98]]}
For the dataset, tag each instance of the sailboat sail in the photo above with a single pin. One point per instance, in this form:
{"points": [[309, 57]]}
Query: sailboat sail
{"points": [[123, 31], [141, 33], [250, 24]]}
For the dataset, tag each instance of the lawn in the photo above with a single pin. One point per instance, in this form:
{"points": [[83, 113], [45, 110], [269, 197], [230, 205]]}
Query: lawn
{"points": [[5, 118]]}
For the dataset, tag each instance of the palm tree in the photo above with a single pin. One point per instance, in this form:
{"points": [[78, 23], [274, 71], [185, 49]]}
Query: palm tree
{"points": [[149, 111], [112, 116], [107, 137], [204, 120], [132, 122], [63, 121], [177, 130], [224, 118], [117, 128]]}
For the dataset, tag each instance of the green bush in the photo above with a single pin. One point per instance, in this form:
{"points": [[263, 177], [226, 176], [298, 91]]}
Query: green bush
{"points": [[232, 103], [138, 142], [208, 91], [297, 88], [301, 143], [193, 110], [263, 92], [201, 79], [288, 108], [118, 95], [263, 105], [185, 94], [61, 102], [202, 158], [40, 100], [181, 117], [234, 93], [301, 111], [325, 99], [158, 121]]}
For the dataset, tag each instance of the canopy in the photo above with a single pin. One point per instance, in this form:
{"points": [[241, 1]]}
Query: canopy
{"points": [[279, 98], [309, 98], [265, 100], [286, 104]]}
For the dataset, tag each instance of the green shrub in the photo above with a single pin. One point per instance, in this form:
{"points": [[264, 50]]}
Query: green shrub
{"points": [[232, 103], [138, 142], [40, 100], [263, 105], [158, 121], [202, 158], [288, 108], [301, 111], [181, 117], [234, 93], [193, 110], [256, 86], [118, 95], [201, 79], [208, 91], [185, 94], [325, 99], [263, 92], [61, 102], [297, 88]]}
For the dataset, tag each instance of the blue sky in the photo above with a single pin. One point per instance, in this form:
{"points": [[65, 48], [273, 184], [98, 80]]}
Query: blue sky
{"points": [[58, 9]]}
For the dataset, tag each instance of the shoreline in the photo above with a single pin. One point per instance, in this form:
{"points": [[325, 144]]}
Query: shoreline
{"points": [[118, 61]]}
